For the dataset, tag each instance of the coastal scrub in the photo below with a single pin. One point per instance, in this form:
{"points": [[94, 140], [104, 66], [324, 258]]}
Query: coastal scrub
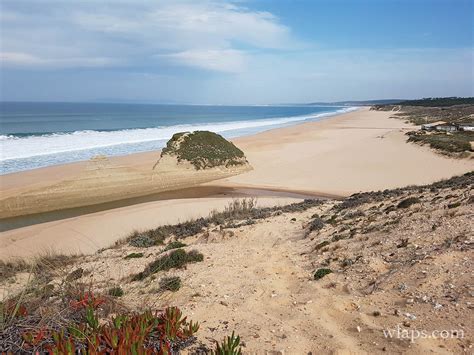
{"points": [[204, 149]]}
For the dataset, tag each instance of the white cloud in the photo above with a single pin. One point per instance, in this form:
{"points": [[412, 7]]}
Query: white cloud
{"points": [[19, 59], [224, 60], [138, 32]]}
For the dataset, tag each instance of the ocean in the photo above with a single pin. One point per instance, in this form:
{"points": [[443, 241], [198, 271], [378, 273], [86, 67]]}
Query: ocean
{"points": [[35, 135]]}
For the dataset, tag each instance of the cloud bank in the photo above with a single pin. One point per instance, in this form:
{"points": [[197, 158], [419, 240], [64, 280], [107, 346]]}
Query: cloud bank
{"points": [[209, 51], [210, 35]]}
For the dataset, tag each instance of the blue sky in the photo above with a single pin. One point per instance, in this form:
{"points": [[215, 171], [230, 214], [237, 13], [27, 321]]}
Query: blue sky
{"points": [[235, 52]]}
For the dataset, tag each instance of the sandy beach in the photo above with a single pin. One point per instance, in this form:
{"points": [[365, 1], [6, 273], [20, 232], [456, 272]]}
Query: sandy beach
{"points": [[358, 151]]}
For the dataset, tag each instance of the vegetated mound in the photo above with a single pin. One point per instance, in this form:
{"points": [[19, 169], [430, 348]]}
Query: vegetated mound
{"points": [[452, 111], [204, 149]]}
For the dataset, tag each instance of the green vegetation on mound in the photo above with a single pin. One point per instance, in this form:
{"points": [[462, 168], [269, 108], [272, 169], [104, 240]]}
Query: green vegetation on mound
{"points": [[451, 110], [455, 142], [439, 101], [204, 149]]}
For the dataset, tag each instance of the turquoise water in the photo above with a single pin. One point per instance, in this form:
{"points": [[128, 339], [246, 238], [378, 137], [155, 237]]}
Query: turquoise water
{"points": [[35, 135]]}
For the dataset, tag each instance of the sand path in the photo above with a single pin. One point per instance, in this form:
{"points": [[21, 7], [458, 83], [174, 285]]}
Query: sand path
{"points": [[258, 282]]}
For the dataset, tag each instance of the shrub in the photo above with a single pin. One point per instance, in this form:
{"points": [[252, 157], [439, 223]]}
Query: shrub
{"points": [[456, 142], [11, 268], [229, 346], [134, 256], [75, 275], [141, 240], [316, 224], [174, 245], [321, 245], [116, 291], [172, 283], [176, 259], [403, 243], [320, 273], [158, 235], [454, 205], [408, 202]]}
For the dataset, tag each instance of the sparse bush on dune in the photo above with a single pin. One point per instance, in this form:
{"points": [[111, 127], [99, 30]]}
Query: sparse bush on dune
{"points": [[408, 202], [320, 273], [359, 199], [174, 245], [172, 283], [134, 256], [174, 260], [316, 224], [322, 245], [229, 346], [116, 291], [456, 142], [43, 266], [144, 240], [237, 210], [11, 268]]}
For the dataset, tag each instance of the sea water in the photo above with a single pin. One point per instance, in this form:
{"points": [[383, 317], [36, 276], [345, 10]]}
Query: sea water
{"points": [[35, 135]]}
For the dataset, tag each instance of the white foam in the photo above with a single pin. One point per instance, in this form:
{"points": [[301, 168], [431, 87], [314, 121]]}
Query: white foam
{"points": [[31, 146]]}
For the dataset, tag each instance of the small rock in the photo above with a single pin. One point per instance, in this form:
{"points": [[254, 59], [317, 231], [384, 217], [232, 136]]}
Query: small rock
{"points": [[376, 313], [402, 287], [410, 316], [359, 329]]}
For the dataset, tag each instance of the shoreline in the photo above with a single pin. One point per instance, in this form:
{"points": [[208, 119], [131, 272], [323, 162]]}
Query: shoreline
{"points": [[353, 152], [313, 117]]}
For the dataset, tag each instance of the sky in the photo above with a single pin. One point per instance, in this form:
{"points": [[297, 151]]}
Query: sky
{"points": [[235, 52]]}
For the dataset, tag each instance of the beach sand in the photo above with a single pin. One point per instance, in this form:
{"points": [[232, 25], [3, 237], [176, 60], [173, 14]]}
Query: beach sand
{"points": [[354, 152], [358, 151]]}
